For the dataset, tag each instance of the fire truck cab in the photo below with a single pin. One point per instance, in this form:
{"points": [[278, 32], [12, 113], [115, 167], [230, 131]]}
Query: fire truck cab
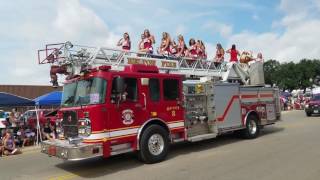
{"points": [[106, 112]]}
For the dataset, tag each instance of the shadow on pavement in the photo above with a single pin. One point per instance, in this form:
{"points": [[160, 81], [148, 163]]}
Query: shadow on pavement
{"points": [[97, 167]]}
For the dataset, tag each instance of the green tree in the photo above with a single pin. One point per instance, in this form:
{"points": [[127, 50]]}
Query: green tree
{"points": [[270, 70], [306, 71], [289, 75]]}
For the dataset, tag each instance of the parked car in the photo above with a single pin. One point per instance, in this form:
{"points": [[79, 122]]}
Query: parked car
{"points": [[313, 106], [45, 115], [4, 122]]}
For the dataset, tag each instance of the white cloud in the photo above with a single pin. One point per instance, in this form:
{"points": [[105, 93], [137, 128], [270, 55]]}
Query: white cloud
{"points": [[299, 38], [95, 22], [180, 29], [223, 29], [65, 20], [211, 50]]}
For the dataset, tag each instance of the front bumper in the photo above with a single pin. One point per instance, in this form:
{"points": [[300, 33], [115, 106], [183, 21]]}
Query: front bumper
{"points": [[63, 150]]}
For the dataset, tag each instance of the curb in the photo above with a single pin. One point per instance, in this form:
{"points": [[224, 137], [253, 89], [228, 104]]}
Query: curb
{"points": [[31, 148]]}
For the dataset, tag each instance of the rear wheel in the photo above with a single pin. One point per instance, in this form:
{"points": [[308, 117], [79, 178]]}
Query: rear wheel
{"points": [[252, 128], [154, 144]]}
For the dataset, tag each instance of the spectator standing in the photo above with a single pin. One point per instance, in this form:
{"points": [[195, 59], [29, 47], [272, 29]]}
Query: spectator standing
{"points": [[13, 121], [234, 53]]}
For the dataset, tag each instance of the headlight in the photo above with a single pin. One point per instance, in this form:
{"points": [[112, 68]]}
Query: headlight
{"points": [[307, 105], [59, 128], [84, 127]]}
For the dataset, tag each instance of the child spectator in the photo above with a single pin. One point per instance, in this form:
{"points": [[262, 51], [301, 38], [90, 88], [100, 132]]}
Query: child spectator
{"points": [[29, 135], [21, 139], [219, 58], [234, 53], [9, 145], [125, 42]]}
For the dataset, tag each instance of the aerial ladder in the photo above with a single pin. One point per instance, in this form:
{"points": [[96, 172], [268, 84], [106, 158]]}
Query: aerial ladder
{"points": [[75, 58]]}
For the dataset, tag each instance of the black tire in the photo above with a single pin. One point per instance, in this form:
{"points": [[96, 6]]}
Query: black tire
{"points": [[145, 154], [249, 132], [308, 114]]}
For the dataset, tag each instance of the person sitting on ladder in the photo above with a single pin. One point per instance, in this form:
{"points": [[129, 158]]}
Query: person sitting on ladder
{"points": [[182, 49], [219, 58], [148, 41], [125, 42], [164, 48]]}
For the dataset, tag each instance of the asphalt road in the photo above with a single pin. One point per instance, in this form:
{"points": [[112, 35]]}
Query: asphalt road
{"points": [[288, 150]]}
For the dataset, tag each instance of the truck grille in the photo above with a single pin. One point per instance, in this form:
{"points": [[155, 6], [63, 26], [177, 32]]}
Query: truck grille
{"points": [[70, 124]]}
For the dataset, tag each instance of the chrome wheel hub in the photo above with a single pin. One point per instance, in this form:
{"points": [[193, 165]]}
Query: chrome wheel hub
{"points": [[156, 144], [252, 127]]}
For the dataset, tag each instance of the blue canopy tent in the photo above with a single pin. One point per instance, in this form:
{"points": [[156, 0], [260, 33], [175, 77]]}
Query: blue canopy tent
{"points": [[50, 99], [10, 100]]}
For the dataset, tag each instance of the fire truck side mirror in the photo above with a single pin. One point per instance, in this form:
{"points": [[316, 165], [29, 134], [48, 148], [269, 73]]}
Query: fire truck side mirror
{"points": [[119, 85]]}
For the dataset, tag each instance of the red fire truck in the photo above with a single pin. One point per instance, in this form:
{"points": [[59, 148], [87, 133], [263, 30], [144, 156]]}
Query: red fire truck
{"points": [[116, 102]]}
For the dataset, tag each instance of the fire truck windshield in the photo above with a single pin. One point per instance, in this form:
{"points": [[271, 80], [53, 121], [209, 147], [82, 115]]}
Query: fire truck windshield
{"points": [[84, 92]]}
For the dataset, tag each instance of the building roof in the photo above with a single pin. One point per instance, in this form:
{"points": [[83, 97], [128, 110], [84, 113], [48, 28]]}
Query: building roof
{"points": [[28, 91]]}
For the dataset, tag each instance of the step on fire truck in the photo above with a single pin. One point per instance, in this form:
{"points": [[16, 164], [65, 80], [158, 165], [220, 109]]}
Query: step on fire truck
{"points": [[116, 102]]}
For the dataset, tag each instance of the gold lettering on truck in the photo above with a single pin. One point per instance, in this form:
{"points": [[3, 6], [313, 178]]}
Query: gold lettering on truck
{"points": [[141, 61], [172, 108], [168, 64]]}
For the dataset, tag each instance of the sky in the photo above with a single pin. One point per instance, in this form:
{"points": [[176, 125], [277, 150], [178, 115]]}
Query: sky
{"points": [[286, 30]]}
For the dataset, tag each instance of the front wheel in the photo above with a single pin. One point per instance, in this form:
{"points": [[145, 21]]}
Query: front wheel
{"points": [[154, 144], [252, 128]]}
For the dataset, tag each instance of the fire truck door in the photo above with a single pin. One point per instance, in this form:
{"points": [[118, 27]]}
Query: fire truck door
{"points": [[170, 106], [128, 114]]}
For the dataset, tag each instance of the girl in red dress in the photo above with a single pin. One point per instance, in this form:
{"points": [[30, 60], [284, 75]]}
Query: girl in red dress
{"points": [[182, 49], [234, 53], [148, 41], [165, 44], [125, 42], [201, 50], [219, 58], [193, 48]]}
